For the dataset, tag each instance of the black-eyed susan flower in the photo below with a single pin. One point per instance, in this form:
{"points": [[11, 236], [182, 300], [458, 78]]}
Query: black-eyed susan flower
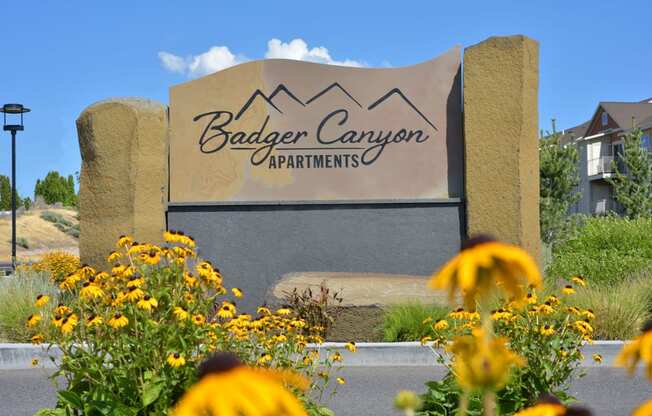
{"points": [[56, 320], [262, 310], [547, 330], [38, 339], [568, 290], [68, 324], [573, 310], [531, 299], [500, 314], [118, 320], [458, 314], [543, 409], [579, 280], [35, 362], [545, 308], [340, 380], [136, 280], [351, 346], [425, 340], [427, 320], [198, 319], [113, 257], [93, 320], [124, 241], [151, 257], [41, 300], [484, 264], [266, 393], [640, 349], [481, 362], [180, 313], [583, 327], [176, 360], [553, 300], [264, 359], [147, 303], [283, 311], [644, 410], [227, 310], [91, 291], [134, 294], [236, 292], [190, 280], [337, 357], [597, 358], [440, 325], [33, 320], [588, 314]]}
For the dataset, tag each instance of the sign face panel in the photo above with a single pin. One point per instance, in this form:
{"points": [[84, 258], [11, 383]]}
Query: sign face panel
{"points": [[281, 130]]}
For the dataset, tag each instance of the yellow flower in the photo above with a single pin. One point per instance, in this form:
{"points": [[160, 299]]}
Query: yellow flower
{"points": [[588, 314], [543, 409], [351, 346], [124, 241], [481, 362], [34, 362], [37, 339], [574, 310], [283, 311], [340, 380], [500, 314], [113, 256], [644, 410], [33, 320], [426, 340], [458, 313], [180, 313], [41, 300], [440, 325], [263, 311], [337, 357], [531, 298], [136, 281], [547, 330], [134, 293], [597, 358], [198, 319], [264, 359], [118, 320], [552, 300], [407, 400], [152, 257], [425, 321], [57, 320], [90, 291], [579, 280], [226, 311], [94, 320], [568, 290], [236, 292], [176, 360], [583, 327], [147, 303], [190, 280], [545, 308], [484, 264], [640, 349], [266, 393], [68, 324]]}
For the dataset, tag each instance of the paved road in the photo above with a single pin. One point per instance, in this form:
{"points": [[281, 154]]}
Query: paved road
{"points": [[369, 390]]}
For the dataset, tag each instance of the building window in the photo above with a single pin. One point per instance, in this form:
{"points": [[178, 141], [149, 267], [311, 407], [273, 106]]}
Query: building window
{"points": [[645, 142], [604, 118]]}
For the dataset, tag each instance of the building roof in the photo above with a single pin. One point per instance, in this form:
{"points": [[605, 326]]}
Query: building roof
{"points": [[574, 133], [622, 113]]}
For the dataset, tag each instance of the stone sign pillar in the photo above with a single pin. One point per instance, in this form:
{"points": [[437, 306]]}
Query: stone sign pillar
{"points": [[123, 182], [501, 81]]}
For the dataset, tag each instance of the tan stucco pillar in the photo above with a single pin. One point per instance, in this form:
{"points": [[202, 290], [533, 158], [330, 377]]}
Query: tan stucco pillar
{"points": [[501, 82], [123, 182]]}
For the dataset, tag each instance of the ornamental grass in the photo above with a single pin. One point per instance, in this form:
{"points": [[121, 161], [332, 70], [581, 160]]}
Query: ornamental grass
{"points": [[134, 335]]}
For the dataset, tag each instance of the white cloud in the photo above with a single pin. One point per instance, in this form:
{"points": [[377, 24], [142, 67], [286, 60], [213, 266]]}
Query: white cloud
{"points": [[220, 57], [298, 49]]}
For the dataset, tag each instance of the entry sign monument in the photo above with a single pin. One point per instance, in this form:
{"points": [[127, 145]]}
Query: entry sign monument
{"points": [[281, 130], [279, 166]]}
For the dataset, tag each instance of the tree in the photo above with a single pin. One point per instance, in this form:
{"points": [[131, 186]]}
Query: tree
{"points": [[5, 194], [632, 179], [27, 203], [56, 188], [558, 186]]}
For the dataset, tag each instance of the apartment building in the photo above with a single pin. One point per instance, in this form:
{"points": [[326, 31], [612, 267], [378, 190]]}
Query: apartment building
{"points": [[600, 142]]}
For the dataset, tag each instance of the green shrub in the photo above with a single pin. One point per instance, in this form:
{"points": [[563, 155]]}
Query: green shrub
{"points": [[17, 296], [405, 322], [22, 242], [605, 250], [55, 218], [620, 310]]}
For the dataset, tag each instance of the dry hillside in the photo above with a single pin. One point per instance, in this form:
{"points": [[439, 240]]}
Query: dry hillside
{"points": [[40, 234]]}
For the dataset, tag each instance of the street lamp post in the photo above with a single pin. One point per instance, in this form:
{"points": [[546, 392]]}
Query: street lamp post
{"points": [[14, 110]]}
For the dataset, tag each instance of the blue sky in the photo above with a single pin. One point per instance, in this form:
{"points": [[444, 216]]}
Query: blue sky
{"points": [[58, 57]]}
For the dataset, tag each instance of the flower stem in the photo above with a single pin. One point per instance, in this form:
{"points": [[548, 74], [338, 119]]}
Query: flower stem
{"points": [[464, 404], [490, 404]]}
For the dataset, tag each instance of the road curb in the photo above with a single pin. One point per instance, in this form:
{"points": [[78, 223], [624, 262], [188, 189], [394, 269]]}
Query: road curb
{"points": [[368, 354]]}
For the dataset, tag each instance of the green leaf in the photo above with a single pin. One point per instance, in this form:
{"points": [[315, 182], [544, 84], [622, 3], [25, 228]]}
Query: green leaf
{"points": [[151, 391], [71, 399], [51, 412]]}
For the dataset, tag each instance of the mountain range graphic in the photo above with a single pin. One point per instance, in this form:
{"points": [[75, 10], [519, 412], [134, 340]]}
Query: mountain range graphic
{"points": [[269, 99]]}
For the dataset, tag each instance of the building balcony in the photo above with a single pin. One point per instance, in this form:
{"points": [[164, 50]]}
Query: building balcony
{"points": [[600, 167]]}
